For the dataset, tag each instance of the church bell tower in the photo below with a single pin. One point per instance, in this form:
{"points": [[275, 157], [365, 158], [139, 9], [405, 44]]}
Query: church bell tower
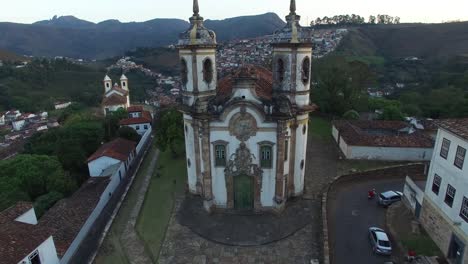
{"points": [[292, 57], [197, 52]]}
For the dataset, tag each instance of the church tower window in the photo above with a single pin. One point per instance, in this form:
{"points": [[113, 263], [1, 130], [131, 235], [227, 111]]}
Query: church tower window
{"points": [[184, 71], [286, 150], [306, 70], [220, 152], [280, 70], [208, 71], [266, 156]]}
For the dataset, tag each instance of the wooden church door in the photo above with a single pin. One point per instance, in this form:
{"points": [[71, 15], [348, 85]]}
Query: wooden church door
{"points": [[243, 193]]}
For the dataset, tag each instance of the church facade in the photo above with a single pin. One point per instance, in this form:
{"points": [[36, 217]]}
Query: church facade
{"points": [[115, 96], [246, 134]]}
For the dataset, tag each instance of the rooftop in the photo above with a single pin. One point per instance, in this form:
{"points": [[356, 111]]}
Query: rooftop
{"points": [[114, 99], [458, 127], [381, 134], [118, 148]]}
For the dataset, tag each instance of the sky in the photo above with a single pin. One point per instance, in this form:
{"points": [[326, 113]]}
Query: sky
{"points": [[427, 11]]}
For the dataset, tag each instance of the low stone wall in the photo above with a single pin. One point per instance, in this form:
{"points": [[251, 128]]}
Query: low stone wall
{"points": [[416, 170]]}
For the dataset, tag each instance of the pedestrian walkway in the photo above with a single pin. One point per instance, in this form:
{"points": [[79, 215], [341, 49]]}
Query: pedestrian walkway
{"points": [[134, 247]]}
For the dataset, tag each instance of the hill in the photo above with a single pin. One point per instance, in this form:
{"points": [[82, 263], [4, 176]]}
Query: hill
{"points": [[10, 56], [71, 37], [427, 41]]}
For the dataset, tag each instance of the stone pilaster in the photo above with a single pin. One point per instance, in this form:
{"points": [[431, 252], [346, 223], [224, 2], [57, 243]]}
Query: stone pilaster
{"points": [[292, 158], [279, 190], [207, 189], [196, 144]]}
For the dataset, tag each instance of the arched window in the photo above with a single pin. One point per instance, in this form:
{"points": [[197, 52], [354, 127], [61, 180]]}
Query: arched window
{"points": [[280, 70], [208, 71], [306, 70], [183, 71]]}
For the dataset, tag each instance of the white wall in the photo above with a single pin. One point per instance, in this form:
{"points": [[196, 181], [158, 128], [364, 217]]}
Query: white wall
{"points": [[190, 152], [28, 218], [18, 124], [450, 174], [267, 132], [335, 133], [143, 140], [385, 153], [413, 193], [98, 165], [141, 128], [301, 150], [47, 253]]}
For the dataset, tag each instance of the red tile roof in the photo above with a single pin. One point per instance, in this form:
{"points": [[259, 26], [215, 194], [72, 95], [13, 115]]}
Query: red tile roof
{"points": [[114, 99], [118, 149], [458, 127], [135, 108], [263, 81], [145, 118], [63, 222], [357, 133]]}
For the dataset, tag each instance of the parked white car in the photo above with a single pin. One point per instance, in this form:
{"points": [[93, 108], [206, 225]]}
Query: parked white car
{"points": [[379, 241], [389, 197]]}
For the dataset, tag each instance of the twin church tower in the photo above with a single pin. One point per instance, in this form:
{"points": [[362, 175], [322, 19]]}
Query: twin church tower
{"points": [[246, 134]]}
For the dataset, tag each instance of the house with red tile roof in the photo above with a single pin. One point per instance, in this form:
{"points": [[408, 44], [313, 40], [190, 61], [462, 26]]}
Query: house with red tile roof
{"points": [[138, 119], [381, 140], [117, 151]]}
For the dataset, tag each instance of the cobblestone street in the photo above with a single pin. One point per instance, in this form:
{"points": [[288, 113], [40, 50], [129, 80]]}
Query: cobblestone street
{"points": [[183, 246]]}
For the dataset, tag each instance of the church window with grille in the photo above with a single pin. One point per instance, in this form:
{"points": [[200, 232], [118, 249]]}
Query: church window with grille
{"points": [[220, 152], [208, 71], [306, 70], [266, 158], [183, 71]]}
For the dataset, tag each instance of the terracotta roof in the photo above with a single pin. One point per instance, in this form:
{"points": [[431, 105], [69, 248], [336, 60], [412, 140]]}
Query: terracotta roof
{"points": [[135, 108], [145, 118], [118, 148], [118, 89], [458, 127], [381, 134], [114, 99], [63, 222], [263, 81]]}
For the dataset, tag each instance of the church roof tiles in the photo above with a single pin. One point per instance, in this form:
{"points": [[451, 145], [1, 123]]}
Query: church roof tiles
{"points": [[263, 81], [114, 99]]}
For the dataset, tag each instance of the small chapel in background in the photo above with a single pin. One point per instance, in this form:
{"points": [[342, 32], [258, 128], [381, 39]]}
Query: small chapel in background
{"points": [[115, 96], [246, 134]]}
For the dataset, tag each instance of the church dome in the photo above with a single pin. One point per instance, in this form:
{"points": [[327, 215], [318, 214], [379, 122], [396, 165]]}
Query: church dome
{"points": [[293, 32], [197, 34]]}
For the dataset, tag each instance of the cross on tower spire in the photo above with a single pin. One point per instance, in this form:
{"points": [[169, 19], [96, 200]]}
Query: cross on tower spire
{"points": [[292, 7], [196, 9]]}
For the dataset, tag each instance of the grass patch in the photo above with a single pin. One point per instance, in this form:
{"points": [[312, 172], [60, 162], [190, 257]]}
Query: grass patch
{"points": [[422, 244], [112, 251], [320, 128], [168, 181]]}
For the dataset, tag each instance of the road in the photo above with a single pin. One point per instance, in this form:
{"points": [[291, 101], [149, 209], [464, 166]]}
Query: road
{"points": [[351, 214]]}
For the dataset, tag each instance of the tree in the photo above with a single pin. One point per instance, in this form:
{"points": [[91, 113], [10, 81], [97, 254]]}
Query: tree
{"points": [[128, 133], [170, 133], [351, 115], [391, 113], [111, 123], [372, 20]]}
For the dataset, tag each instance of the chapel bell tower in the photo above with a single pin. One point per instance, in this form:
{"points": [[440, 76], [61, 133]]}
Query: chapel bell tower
{"points": [[292, 57], [197, 52]]}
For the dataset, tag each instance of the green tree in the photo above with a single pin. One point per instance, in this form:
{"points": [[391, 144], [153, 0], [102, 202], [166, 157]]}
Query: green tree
{"points": [[170, 132], [128, 133], [391, 113], [111, 123], [351, 115]]}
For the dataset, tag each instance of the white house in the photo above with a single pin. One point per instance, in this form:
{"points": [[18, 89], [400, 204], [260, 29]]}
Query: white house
{"points": [[12, 115], [246, 134], [445, 207], [381, 140], [62, 105], [139, 119], [21, 239], [115, 152], [18, 124], [2, 119]]}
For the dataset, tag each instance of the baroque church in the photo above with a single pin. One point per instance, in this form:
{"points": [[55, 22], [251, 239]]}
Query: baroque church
{"points": [[246, 134], [115, 96]]}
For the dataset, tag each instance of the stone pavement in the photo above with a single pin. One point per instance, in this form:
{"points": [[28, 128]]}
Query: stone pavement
{"points": [[245, 229], [134, 247], [181, 245]]}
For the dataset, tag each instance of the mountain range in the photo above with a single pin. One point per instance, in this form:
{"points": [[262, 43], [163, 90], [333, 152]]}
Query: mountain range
{"points": [[72, 37]]}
